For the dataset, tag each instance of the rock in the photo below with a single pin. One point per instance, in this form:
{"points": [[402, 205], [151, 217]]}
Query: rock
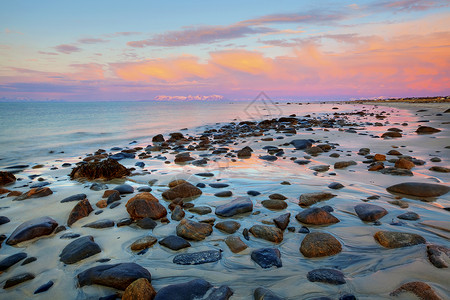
{"points": [[140, 289], [320, 168], [143, 243], [277, 197], [13, 281], [113, 197], [124, 222], [43, 288], [177, 213], [194, 289], [253, 193], [316, 216], [268, 157], [403, 163], [427, 130], [301, 144], [106, 170], [174, 242], [4, 220], [344, 164], [159, 138], [330, 276], [267, 257], [11, 260], [145, 205], [282, 221], [313, 151], [239, 205], [201, 210], [70, 235], [302, 162], [411, 216], [391, 134], [224, 194], [228, 226], [439, 256], [77, 197], [265, 294], [98, 186], [271, 234], [146, 223], [393, 152], [308, 199], [193, 230], [335, 186], [402, 204], [100, 224], [319, 244], [221, 293], [379, 157], [197, 258], [274, 204], [32, 229], [184, 191], [245, 152], [81, 209], [118, 276], [440, 169], [420, 289], [219, 185], [392, 239], [370, 212], [419, 189], [79, 249], [124, 189], [235, 244], [396, 171], [6, 178], [35, 193]]}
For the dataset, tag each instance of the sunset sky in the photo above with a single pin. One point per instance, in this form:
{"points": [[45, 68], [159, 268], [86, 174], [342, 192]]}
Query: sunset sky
{"points": [[145, 50]]}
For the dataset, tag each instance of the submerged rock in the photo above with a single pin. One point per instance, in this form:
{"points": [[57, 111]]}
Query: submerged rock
{"points": [[439, 256], [237, 206], [301, 144], [100, 224], [6, 178], [43, 288], [15, 280], [330, 276], [32, 229], [235, 244], [11, 260], [427, 130], [267, 257], [79, 249], [370, 212], [265, 294], [308, 199], [193, 230], [411, 216], [197, 258], [282, 221], [174, 242], [145, 205], [318, 244], [271, 234], [143, 243], [194, 289], [228, 226], [184, 190], [392, 239], [316, 216], [419, 189], [106, 170], [344, 164], [420, 289]]}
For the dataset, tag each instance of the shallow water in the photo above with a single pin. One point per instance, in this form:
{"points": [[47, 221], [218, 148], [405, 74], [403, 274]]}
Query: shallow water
{"points": [[371, 271]]}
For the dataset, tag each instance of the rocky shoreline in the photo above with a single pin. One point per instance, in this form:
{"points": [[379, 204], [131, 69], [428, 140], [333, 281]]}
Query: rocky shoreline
{"points": [[202, 212]]}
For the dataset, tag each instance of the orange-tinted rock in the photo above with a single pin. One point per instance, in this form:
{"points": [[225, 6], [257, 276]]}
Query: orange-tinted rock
{"points": [[107, 169], [379, 157], [35, 193], [7, 178], [101, 204], [418, 288], [316, 216], [393, 239], [4, 191], [319, 244], [143, 243], [377, 167], [427, 130], [82, 209], [176, 182], [140, 289], [184, 190], [145, 205], [193, 230], [391, 134], [404, 164], [308, 199], [272, 234], [108, 193], [14, 194], [235, 244]]}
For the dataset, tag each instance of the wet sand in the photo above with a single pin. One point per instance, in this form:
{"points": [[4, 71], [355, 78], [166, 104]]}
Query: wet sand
{"points": [[371, 271]]}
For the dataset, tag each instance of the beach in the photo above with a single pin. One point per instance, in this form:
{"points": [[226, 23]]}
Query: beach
{"points": [[316, 168]]}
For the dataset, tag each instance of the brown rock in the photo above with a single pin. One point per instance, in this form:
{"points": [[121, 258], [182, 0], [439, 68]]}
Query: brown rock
{"points": [[6, 178], [235, 244], [427, 130], [440, 169], [318, 244], [228, 226], [418, 288], [145, 205], [344, 164], [101, 204], [379, 157], [439, 256], [404, 164], [106, 170], [143, 243], [282, 221], [140, 289], [177, 213], [193, 230], [108, 193], [392, 239], [176, 182], [419, 189], [268, 233], [4, 191], [308, 199], [316, 216], [274, 204], [245, 152], [377, 167], [391, 134], [35, 193], [184, 190], [14, 194], [82, 209]]}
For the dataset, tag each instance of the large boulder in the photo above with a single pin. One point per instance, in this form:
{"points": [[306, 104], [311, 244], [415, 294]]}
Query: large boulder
{"points": [[145, 205], [32, 229], [82, 209], [118, 276], [239, 205], [6, 178], [106, 170], [184, 190], [79, 249], [419, 189], [193, 230], [318, 244]]}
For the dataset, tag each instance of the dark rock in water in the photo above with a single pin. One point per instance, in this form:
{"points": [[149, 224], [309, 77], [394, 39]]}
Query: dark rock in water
{"points": [[268, 233], [194, 289], [347, 297], [145, 205], [39, 184], [392, 239], [79, 249], [124, 189], [316, 216], [4, 220], [335, 185], [301, 144], [98, 186], [11, 260], [303, 229], [277, 196], [159, 138], [267, 257], [327, 208], [193, 230], [107, 169], [113, 197], [6, 178], [29, 260], [308, 199], [221, 293], [124, 222], [70, 235], [237, 206], [32, 229], [410, 216], [245, 152], [197, 258], [427, 130], [440, 169], [177, 213], [17, 167], [303, 162], [420, 289], [201, 210], [118, 276], [43, 288], [205, 174], [439, 256], [320, 168], [35, 193], [396, 171], [60, 229], [140, 164], [224, 194], [218, 185], [13, 281], [344, 164], [140, 289], [268, 157], [274, 204], [370, 212], [228, 226], [76, 197], [183, 190], [100, 224], [253, 193], [146, 223], [82, 209], [419, 189], [265, 294], [143, 189], [235, 244], [330, 276], [319, 244], [200, 185], [174, 242], [282, 221]]}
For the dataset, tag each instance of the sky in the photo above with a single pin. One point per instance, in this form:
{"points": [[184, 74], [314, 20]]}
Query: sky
{"points": [[163, 50]]}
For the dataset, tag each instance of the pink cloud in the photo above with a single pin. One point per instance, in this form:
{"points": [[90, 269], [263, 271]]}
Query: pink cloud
{"points": [[92, 41], [67, 49]]}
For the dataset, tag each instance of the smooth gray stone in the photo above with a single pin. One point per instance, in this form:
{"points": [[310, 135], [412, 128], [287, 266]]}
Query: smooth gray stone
{"points": [[76, 197], [330, 276], [11, 260], [79, 249], [237, 206]]}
